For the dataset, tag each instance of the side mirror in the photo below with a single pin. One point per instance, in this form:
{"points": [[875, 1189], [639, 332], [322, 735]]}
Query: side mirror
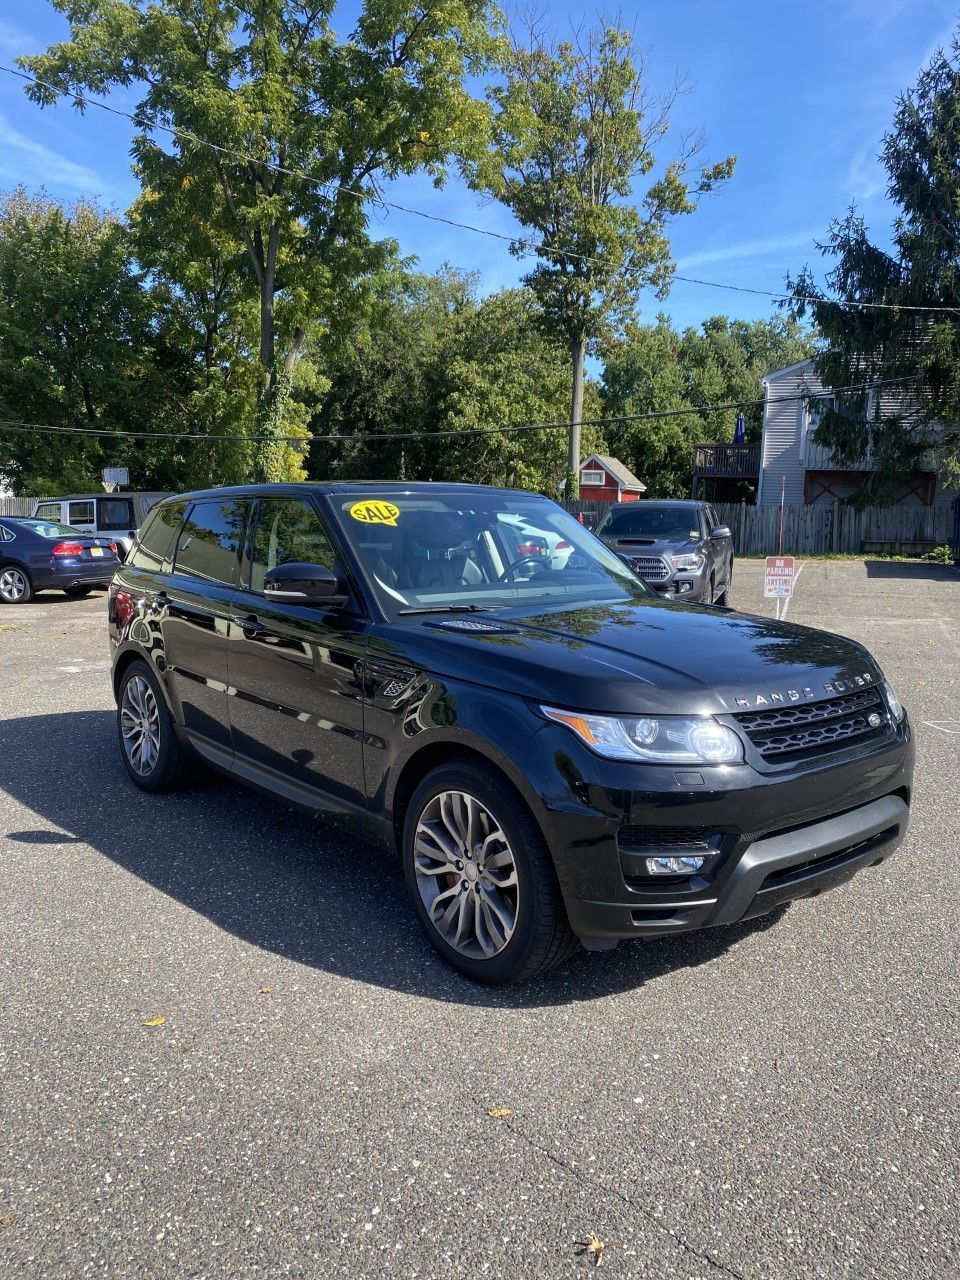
{"points": [[304, 584], [722, 531]]}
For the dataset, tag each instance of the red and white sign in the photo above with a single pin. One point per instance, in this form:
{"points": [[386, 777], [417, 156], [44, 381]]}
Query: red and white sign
{"points": [[779, 576]]}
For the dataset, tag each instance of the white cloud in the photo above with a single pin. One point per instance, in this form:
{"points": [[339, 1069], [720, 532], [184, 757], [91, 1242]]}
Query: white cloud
{"points": [[767, 246], [23, 159]]}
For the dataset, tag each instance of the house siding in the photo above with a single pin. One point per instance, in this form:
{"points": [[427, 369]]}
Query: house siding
{"points": [[787, 458], [781, 468]]}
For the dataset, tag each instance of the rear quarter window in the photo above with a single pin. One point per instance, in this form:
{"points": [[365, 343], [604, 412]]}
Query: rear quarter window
{"points": [[157, 538]]}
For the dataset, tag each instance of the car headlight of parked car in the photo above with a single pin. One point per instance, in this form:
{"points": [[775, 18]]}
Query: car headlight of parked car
{"points": [[656, 739], [893, 702], [688, 560]]}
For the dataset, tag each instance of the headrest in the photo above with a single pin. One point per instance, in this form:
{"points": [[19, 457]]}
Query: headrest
{"points": [[436, 529]]}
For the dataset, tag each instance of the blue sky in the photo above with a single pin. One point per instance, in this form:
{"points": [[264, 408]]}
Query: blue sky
{"points": [[801, 91]]}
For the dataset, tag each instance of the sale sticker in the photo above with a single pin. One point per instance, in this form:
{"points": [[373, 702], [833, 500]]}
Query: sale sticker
{"points": [[375, 512]]}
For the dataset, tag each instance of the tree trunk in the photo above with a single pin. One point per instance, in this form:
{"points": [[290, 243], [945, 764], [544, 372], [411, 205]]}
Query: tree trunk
{"points": [[578, 348]]}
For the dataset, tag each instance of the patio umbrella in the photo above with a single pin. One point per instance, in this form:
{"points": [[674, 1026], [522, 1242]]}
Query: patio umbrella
{"points": [[740, 432]]}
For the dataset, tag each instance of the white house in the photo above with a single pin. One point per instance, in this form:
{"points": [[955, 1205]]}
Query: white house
{"points": [[792, 463]]}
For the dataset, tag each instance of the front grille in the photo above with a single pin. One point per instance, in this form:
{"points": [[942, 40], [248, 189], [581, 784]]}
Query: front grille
{"points": [[674, 841], [651, 567], [813, 727]]}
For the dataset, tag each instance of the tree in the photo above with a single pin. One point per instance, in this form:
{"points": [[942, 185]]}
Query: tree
{"points": [[655, 368], [919, 349], [307, 126], [83, 344], [575, 128], [435, 359]]}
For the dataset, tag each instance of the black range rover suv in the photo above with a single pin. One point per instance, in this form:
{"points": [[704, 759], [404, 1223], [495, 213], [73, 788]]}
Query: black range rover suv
{"points": [[557, 753]]}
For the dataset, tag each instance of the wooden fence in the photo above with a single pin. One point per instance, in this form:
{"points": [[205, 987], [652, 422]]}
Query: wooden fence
{"points": [[16, 506], [823, 527]]}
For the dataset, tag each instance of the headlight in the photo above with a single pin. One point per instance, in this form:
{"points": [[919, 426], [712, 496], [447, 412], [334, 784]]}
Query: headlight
{"points": [[893, 702], [658, 739], [688, 560]]}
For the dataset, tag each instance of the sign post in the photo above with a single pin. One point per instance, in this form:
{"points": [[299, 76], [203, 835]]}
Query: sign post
{"points": [[779, 576]]}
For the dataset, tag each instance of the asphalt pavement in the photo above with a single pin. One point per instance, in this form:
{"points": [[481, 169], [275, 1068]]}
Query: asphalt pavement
{"points": [[773, 1100]]}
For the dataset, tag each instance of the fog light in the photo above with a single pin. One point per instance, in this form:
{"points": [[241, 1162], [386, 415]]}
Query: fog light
{"points": [[674, 866]]}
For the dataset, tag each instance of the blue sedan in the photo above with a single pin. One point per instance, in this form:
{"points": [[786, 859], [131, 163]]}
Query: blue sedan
{"points": [[37, 554]]}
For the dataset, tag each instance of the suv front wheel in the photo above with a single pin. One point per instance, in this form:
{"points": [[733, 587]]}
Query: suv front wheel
{"points": [[481, 878]]}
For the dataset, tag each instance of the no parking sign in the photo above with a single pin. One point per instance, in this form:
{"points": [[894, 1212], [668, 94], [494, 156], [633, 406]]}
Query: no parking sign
{"points": [[779, 576]]}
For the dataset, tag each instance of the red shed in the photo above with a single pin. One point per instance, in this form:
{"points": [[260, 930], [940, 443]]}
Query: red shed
{"points": [[606, 479]]}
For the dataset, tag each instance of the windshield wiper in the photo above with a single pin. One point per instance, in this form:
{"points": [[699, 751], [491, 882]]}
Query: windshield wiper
{"points": [[453, 608]]}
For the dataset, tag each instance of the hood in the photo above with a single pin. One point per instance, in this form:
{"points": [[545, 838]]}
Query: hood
{"points": [[638, 545], [644, 656]]}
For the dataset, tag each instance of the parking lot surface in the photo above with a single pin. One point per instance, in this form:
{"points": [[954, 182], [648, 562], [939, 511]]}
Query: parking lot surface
{"points": [[777, 1099]]}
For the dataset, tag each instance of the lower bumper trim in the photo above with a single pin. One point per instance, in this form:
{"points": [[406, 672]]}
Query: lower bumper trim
{"points": [[778, 869]]}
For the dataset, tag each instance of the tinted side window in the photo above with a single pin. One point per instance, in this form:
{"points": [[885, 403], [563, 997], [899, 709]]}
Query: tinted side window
{"points": [[48, 511], [80, 512], [115, 514], [288, 531], [157, 537], [211, 539]]}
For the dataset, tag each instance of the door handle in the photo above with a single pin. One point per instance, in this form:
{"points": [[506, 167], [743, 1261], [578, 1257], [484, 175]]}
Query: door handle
{"points": [[249, 623]]}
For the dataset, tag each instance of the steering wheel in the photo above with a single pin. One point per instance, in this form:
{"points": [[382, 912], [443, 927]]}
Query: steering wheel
{"points": [[535, 562]]}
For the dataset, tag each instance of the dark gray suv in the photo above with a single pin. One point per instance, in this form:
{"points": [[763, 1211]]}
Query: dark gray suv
{"points": [[678, 548]]}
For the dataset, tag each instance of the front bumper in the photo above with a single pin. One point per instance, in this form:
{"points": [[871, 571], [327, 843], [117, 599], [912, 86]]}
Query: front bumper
{"points": [[682, 585], [776, 837]]}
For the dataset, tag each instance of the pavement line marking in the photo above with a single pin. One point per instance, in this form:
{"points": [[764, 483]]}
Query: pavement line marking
{"points": [[786, 606], [945, 726]]}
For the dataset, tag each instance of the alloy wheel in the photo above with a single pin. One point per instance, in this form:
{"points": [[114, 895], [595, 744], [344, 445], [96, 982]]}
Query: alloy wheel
{"points": [[13, 585], [140, 725], [466, 875]]}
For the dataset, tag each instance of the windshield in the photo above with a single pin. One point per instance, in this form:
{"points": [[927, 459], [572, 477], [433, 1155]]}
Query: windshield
{"points": [[47, 528], [481, 550], [663, 524]]}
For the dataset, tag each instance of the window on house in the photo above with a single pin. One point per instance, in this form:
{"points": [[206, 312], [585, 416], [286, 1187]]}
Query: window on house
{"points": [[593, 477]]}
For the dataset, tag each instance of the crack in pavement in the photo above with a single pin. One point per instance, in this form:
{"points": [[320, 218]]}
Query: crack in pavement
{"points": [[583, 1177]]}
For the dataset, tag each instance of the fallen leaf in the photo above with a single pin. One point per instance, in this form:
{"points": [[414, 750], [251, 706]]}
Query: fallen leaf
{"points": [[265, 991], [499, 1113], [7, 1220], [158, 1021], [593, 1247]]}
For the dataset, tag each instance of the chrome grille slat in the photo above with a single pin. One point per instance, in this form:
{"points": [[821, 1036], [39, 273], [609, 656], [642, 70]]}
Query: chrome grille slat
{"points": [[653, 568], [814, 727]]}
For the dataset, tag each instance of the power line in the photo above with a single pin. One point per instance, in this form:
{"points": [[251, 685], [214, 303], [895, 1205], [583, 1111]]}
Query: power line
{"points": [[13, 424], [524, 248]]}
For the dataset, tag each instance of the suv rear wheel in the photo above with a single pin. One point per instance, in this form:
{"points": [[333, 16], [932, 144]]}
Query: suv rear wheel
{"points": [[152, 753], [481, 878]]}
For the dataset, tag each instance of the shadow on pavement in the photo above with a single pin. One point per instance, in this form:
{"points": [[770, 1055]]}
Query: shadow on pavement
{"points": [[918, 571], [281, 880]]}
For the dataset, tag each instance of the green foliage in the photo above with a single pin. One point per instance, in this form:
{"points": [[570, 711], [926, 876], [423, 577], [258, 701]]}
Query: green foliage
{"points": [[82, 344], [656, 368], [575, 129], [921, 155], [435, 359], [271, 83]]}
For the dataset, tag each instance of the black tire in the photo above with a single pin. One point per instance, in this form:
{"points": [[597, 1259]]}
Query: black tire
{"points": [[724, 596], [15, 584], [77, 592], [167, 766], [542, 936]]}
